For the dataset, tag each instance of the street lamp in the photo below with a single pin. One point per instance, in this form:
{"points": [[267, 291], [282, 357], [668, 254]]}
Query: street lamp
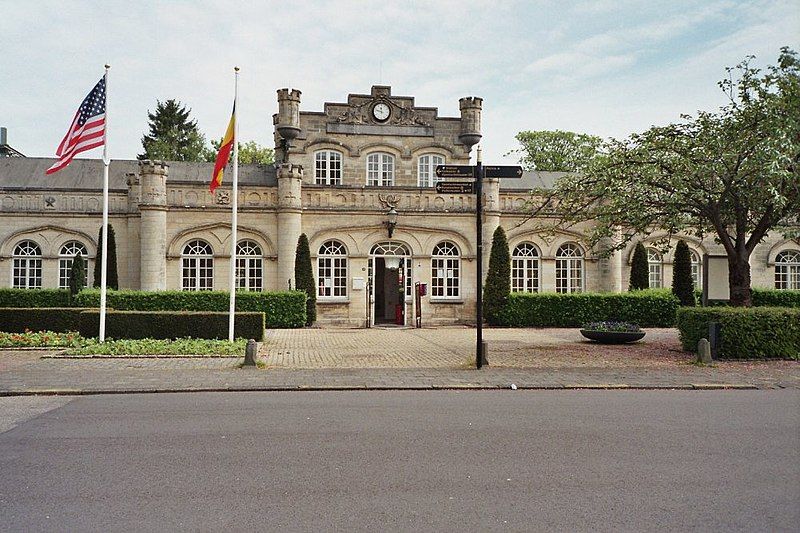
{"points": [[391, 221]]}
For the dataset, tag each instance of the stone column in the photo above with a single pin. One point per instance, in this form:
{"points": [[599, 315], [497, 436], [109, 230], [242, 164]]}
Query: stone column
{"points": [[153, 229], [610, 268], [290, 220], [491, 218]]}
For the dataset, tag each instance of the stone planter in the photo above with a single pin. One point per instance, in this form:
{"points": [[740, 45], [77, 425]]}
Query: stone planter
{"points": [[613, 337]]}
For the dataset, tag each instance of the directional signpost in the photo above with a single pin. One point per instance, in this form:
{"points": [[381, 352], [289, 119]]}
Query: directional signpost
{"points": [[503, 172], [455, 171], [455, 187]]}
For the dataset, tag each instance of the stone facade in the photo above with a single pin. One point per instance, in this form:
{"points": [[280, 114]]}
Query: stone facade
{"points": [[339, 173]]}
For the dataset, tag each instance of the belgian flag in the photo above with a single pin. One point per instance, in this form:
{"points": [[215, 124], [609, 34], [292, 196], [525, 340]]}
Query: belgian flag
{"points": [[224, 154]]}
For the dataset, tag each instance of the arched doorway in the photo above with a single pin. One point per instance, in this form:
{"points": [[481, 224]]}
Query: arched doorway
{"points": [[390, 283]]}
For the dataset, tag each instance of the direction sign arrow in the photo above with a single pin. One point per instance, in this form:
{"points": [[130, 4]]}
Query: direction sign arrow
{"points": [[455, 187], [503, 171], [455, 171]]}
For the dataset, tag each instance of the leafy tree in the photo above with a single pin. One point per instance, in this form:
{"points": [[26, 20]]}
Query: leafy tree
{"points": [[304, 277], [112, 281], [556, 150], [249, 153], [640, 270], [173, 136], [733, 173], [682, 282], [77, 275], [498, 279]]}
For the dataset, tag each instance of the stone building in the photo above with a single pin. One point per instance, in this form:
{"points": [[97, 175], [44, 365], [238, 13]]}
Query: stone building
{"points": [[358, 179]]}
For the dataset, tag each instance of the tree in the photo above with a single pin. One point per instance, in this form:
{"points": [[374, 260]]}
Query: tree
{"points": [[557, 150], [640, 270], [77, 275], [733, 173], [682, 282], [112, 281], [173, 136], [249, 153], [304, 277], [498, 279]]}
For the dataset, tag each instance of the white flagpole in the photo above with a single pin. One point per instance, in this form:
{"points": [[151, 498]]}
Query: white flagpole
{"points": [[104, 262], [234, 202]]}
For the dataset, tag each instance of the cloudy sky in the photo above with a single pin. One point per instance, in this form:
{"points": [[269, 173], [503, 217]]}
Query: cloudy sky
{"points": [[607, 67]]}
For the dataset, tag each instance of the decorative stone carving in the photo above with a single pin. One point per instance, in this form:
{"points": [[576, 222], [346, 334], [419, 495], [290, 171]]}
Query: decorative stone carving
{"points": [[389, 201], [223, 198]]}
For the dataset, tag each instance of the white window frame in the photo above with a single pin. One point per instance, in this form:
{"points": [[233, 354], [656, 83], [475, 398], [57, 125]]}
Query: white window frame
{"points": [[332, 273], [65, 257], [445, 272], [26, 265], [655, 268], [328, 167], [697, 269], [525, 268], [380, 169], [249, 266], [197, 266], [426, 169], [569, 268], [787, 270]]}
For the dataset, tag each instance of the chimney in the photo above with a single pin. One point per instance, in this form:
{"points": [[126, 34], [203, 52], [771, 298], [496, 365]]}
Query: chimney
{"points": [[3, 136]]}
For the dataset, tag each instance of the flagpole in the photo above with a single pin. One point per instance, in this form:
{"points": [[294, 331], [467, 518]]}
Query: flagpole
{"points": [[104, 252], [234, 202]]}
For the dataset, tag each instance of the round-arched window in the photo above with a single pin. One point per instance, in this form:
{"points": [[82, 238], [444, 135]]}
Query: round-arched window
{"points": [[654, 267], [525, 268], [569, 268], [445, 271], [249, 266], [27, 266], [787, 270], [332, 270], [66, 255], [197, 266]]}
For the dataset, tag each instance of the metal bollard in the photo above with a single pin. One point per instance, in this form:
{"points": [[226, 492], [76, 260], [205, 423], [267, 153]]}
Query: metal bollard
{"points": [[250, 353]]}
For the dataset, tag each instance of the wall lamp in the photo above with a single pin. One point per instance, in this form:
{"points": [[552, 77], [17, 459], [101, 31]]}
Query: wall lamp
{"points": [[391, 221]]}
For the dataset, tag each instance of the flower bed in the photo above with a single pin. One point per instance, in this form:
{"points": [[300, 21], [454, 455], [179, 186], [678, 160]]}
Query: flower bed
{"points": [[158, 347], [40, 339]]}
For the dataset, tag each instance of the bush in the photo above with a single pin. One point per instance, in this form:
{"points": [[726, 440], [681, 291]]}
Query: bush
{"points": [[112, 280], [36, 339], [682, 283], [77, 276], [304, 277], [171, 324], [34, 298], [640, 271], [282, 309], [58, 319], [747, 333], [125, 348], [648, 308], [498, 284], [776, 298]]}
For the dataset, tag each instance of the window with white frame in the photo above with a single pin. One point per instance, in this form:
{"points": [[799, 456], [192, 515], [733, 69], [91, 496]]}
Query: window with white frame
{"points": [[697, 273], [332, 270], [65, 257], [27, 266], [197, 266], [787, 270], [328, 167], [426, 169], [445, 271], [380, 169], [249, 266], [569, 268], [654, 267], [525, 268]]}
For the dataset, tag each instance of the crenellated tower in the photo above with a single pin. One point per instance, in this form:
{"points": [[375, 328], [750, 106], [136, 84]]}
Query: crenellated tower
{"points": [[153, 227]]}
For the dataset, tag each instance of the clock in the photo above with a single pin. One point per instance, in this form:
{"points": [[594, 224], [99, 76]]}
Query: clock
{"points": [[381, 112]]}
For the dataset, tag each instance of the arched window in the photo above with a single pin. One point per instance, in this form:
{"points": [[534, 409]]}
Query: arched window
{"points": [[197, 266], [787, 270], [332, 270], [569, 268], [328, 167], [249, 266], [426, 169], [65, 256], [27, 266], [380, 169], [525, 268], [697, 271], [445, 271], [654, 267]]}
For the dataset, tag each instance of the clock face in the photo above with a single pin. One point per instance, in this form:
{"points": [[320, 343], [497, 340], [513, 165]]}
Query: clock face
{"points": [[380, 112]]}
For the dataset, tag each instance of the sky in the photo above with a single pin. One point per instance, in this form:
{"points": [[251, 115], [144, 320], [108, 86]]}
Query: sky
{"points": [[605, 67]]}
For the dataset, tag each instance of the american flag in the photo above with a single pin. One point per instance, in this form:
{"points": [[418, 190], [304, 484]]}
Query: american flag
{"points": [[87, 130]]}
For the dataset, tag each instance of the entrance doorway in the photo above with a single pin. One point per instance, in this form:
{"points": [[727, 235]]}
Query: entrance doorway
{"points": [[390, 283]]}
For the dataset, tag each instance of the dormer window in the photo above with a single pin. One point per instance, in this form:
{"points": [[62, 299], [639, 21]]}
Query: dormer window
{"points": [[380, 169], [328, 167]]}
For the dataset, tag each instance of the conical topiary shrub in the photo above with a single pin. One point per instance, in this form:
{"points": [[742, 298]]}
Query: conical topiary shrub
{"points": [[304, 277], [112, 281], [682, 282], [498, 280], [640, 273], [77, 276]]}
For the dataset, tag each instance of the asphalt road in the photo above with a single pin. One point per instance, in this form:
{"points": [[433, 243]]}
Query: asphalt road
{"points": [[412, 461]]}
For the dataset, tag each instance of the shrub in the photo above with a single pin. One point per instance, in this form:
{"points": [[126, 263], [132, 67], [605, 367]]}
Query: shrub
{"points": [[498, 284], [304, 277], [616, 327], [58, 319], [77, 276], [776, 298], [682, 283], [34, 298], [747, 333], [283, 309], [112, 280], [130, 347], [33, 339], [640, 272], [650, 308], [171, 324]]}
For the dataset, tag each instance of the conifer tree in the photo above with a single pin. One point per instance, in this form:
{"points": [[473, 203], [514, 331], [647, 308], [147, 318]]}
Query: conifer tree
{"points": [[304, 277], [77, 275], [682, 282], [112, 281], [640, 272], [498, 280], [173, 136]]}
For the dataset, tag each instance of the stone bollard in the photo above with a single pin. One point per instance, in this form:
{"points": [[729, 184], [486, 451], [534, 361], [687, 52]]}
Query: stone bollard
{"points": [[250, 353], [485, 354], [704, 352]]}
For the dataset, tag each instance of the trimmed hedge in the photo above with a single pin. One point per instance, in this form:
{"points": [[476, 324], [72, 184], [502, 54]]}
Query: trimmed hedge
{"points": [[776, 298], [58, 319], [34, 298], [747, 333], [285, 309], [647, 308], [171, 325]]}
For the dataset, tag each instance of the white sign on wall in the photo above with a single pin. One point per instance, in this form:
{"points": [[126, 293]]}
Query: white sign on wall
{"points": [[716, 287]]}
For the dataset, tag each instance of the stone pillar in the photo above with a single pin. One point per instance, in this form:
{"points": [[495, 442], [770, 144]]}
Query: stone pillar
{"points": [[153, 230], [491, 218], [290, 220], [610, 268]]}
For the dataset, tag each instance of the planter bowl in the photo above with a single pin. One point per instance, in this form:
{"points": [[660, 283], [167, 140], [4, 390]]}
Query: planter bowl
{"points": [[613, 337]]}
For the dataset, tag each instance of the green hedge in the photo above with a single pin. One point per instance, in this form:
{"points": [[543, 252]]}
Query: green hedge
{"points": [[776, 298], [171, 325], [282, 309], [34, 298], [647, 308], [747, 333], [58, 319]]}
